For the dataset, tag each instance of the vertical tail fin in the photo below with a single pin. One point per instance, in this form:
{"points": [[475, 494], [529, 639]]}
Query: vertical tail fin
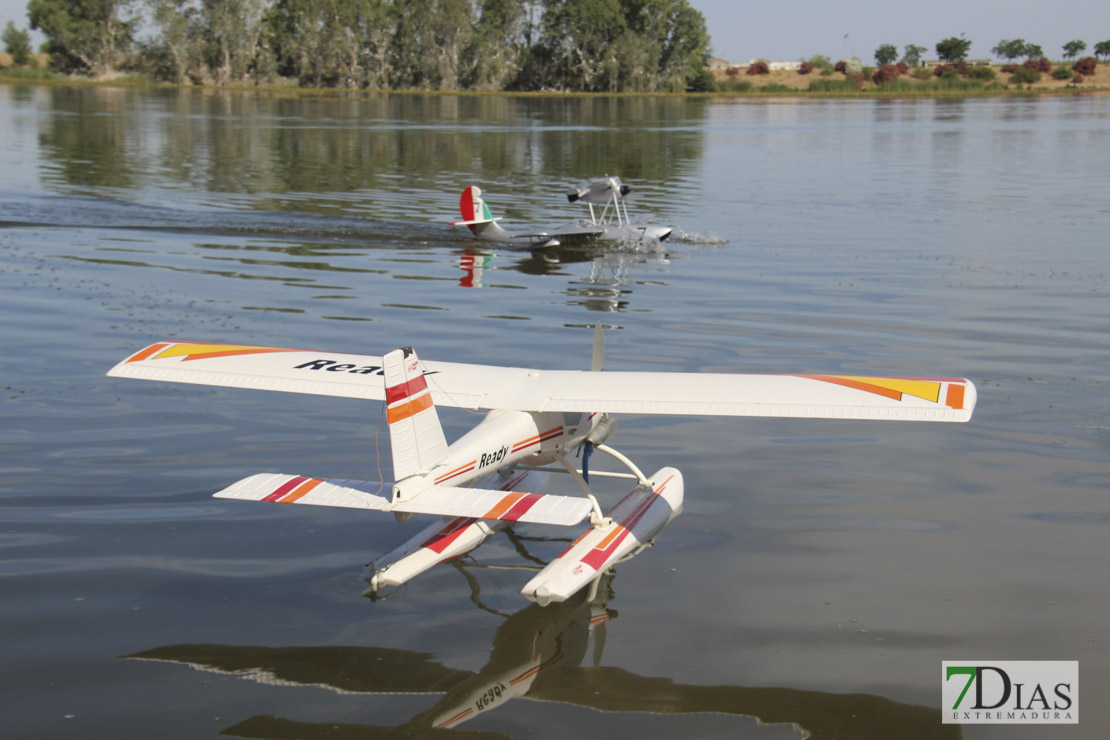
{"points": [[476, 216], [472, 206], [414, 431]]}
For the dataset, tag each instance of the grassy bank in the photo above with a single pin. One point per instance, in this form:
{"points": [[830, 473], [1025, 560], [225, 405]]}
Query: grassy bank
{"points": [[778, 83]]}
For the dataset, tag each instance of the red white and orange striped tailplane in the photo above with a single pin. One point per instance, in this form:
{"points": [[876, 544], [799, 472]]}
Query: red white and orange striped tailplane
{"points": [[414, 430]]}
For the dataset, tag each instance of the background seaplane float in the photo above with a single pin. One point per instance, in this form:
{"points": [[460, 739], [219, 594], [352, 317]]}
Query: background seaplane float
{"points": [[537, 421], [608, 219]]}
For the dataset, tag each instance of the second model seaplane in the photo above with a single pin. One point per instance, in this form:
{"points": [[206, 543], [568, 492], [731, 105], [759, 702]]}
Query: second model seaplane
{"points": [[536, 418], [608, 219]]}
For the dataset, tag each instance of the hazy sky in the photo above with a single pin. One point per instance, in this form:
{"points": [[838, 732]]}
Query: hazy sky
{"points": [[783, 31]]}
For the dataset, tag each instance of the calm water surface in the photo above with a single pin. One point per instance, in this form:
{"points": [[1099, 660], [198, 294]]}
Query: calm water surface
{"points": [[821, 571]]}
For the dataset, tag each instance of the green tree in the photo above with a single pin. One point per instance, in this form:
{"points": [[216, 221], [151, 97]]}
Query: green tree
{"points": [[685, 46], [83, 34], [501, 40], [1034, 51], [886, 54], [580, 37], [1073, 49], [953, 49], [17, 43], [179, 41], [612, 45], [231, 30], [1009, 49], [912, 55], [429, 41], [1102, 49], [820, 61]]}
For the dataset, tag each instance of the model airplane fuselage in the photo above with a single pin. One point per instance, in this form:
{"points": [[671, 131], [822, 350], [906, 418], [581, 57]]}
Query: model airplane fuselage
{"points": [[608, 219], [536, 418]]}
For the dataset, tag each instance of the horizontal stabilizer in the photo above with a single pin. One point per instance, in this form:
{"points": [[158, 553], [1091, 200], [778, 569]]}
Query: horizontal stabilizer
{"points": [[479, 503], [509, 506], [298, 489], [475, 221]]}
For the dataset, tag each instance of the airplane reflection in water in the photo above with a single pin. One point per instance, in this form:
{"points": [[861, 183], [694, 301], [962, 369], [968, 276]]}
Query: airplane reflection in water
{"points": [[607, 286], [537, 654]]}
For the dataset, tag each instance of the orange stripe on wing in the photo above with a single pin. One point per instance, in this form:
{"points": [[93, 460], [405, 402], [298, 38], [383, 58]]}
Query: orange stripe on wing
{"points": [[300, 491], [143, 354], [955, 396], [208, 351], [408, 409], [503, 505]]}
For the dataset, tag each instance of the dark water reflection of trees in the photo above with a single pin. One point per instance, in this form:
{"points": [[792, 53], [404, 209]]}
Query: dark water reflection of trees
{"points": [[252, 143]]}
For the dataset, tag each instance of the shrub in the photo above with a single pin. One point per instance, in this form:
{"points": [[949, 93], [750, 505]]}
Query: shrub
{"points": [[841, 66], [921, 73], [775, 87], [1078, 79], [884, 74], [1041, 65], [820, 61], [759, 68], [1086, 66], [805, 69], [985, 74], [703, 81], [902, 68], [948, 70], [1061, 73], [1026, 75], [1009, 68]]}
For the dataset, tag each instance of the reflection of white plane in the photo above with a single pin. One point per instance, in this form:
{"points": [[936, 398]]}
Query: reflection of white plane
{"points": [[538, 654], [536, 417], [609, 221]]}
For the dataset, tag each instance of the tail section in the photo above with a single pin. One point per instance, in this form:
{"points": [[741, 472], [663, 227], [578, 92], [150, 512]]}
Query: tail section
{"points": [[414, 431], [476, 216]]}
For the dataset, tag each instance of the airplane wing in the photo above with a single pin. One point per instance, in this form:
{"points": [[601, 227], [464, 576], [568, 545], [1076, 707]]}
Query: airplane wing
{"points": [[492, 387], [480, 503]]}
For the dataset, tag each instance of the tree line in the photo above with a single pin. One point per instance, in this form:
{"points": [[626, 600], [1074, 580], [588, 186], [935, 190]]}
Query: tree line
{"points": [[559, 45], [956, 48]]}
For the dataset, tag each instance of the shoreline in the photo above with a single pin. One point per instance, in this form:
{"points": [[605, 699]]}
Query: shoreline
{"points": [[783, 84]]}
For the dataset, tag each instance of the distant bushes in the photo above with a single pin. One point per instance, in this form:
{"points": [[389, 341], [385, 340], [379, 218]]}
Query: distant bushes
{"points": [[805, 68], [986, 74], [759, 68], [884, 74], [1041, 65], [1025, 76], [959, 68], [1086, 66]]}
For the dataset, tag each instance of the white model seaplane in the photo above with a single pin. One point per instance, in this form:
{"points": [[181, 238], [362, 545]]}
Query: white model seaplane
{"points": [[536, 418], [607, 222]]}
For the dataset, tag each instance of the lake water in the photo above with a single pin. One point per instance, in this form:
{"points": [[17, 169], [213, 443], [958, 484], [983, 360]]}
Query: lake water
{"points": [[821, 570]]}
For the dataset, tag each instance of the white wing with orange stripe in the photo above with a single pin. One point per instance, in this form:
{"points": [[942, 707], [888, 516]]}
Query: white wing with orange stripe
{"points": [[491, 387], [479, 503]]}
